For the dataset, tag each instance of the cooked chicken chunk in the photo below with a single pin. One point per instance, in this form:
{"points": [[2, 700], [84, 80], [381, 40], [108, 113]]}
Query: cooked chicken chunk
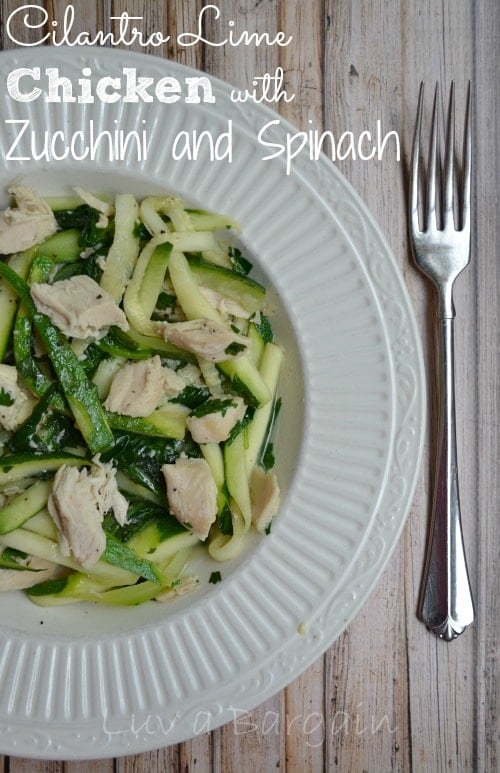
{"points": [[191, 374], [265, 498], [192, 494], [17, 579], [19, 404], [173, 383], [137, 388], [78, 502], [185, 585], [206, 338], [223, 304], [216, 427], [30, 223], [78, 306]]}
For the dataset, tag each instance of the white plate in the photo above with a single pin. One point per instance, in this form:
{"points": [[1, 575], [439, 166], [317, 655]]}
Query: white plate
{"points": [[89, 682]]}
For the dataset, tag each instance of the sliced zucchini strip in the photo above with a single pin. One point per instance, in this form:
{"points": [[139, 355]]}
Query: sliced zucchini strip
{"points": [[124, 250]]}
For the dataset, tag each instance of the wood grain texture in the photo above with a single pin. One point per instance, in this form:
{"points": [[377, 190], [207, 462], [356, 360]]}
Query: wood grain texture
{"points": [[387, 695]]}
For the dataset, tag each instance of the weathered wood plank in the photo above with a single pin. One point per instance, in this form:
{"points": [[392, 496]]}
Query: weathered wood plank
{"points": [[90, 766], [21, 765], [485, 710], [440, 674], [256, 735], [88, 17], [366, 717]]}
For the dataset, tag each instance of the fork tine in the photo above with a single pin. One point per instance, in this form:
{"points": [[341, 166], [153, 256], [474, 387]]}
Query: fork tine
{"points": [[430, 212], [414, 164], [449, 161], [466, 165]]}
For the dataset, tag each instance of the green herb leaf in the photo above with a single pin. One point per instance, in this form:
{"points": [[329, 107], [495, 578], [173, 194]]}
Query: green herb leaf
{"points": [[214, 578], [240, 426], [225, 521], [89, 267], [48, 587], [120, 555], [141, 457], [166, 301], [165, 306], [213, 406], [10, 558], [235, 348], [265, 329], [85, 219], [192, 396], [5, 397], [141, 232], [268, 458], [240, 264]]}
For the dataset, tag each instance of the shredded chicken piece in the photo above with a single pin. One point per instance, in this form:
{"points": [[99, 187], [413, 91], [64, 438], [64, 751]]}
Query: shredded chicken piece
{"points": [[216, 427], [78, 306], [225, 305], [264, 497], [138, 387], [173, 382], [192, 494], [30, 223], [191, 374], [208, 339], [78, 503], [17, 579], [13, 415], [186, 585]]}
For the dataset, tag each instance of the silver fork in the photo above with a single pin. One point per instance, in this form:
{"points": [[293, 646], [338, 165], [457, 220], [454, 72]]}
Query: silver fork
{"points": [[441, 250]]}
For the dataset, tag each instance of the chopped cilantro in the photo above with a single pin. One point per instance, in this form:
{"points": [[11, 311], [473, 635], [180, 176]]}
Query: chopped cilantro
{"points": [[85, 218], [225, 521], [192, 396], [10, 558], [48, 587], [240, 264], [166, 301], [265, 329], [215, 577], [240, 426], [165, 305], [5, 398], [88, 266], [141, 232], [268, 458], [268, 528], [213, 406], [235, 348]]}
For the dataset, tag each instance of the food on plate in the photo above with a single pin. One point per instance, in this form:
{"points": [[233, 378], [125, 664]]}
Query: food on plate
{"points": [[138, 394]]}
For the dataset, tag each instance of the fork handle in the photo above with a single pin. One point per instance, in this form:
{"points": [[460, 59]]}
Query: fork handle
{"points": [[446, 602]]}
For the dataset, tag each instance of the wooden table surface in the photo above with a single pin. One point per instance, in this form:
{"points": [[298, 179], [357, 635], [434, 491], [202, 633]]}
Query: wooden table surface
{"points": [[387, 695]]}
